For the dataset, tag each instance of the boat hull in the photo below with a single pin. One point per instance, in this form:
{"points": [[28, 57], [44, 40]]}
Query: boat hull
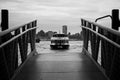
{"points": [[59, 46]]}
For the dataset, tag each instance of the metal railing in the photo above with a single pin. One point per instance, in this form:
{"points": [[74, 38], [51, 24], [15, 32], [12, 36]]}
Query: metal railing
{"points": [[106, 39], [14, 42]]}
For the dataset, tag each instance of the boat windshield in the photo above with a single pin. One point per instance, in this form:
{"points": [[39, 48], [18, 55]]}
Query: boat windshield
{"points": [[60, 35], [59, 41]]}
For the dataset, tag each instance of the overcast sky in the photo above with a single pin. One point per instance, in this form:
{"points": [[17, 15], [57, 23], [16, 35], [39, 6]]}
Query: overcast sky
{"points": [[52, 14]]}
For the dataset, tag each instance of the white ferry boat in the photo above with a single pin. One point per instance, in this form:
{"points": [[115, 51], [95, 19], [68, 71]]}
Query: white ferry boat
{"points": [[59, 41]]}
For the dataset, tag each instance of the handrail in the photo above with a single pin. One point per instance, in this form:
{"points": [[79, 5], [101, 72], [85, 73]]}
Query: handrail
{"points": [[105, 28], [13, 28], [104, 43], [103, 17], [107, 39], [17, 44], [16, 37]]}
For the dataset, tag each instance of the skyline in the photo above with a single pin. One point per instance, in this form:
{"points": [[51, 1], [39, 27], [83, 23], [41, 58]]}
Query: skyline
{"points": [[53, 14]]}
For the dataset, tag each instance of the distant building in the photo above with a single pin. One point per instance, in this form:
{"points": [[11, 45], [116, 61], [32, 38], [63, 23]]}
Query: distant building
{"points": [[64, 29]]}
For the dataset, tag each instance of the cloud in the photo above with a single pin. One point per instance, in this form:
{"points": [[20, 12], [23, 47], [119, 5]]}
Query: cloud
{"points": [[58, 11], [71, 8]]}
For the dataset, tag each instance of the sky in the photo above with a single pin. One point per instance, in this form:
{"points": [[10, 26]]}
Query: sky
{"points": [[53, 14]]}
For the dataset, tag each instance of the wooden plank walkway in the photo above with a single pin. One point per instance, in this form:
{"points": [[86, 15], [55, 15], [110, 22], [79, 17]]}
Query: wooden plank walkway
{"points": [[66, 66]]}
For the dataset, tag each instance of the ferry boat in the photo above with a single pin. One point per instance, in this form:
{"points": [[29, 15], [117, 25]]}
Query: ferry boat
{"points": [[59, 41]]}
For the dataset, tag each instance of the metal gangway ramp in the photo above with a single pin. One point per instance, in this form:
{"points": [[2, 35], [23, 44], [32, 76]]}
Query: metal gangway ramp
{"points": [[65, 66]]}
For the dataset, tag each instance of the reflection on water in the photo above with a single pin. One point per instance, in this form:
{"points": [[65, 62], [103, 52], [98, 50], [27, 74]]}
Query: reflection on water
{"points": [[44, 47]]}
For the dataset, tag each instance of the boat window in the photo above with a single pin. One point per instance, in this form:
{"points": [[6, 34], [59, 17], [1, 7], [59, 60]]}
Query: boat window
{"points": [[59, 41], [60, 35]]}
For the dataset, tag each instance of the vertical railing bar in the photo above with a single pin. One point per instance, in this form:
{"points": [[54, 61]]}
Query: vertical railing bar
{"points": [[24, 42], [30, 32], [20, 41], [16, 51], [87, 38], [91, 39], [94, 43], [84, 23], [103, 48], [97, 45]]}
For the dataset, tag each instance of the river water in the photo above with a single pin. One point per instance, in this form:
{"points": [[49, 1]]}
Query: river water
{"points": [[44, 47], [75, 47]]}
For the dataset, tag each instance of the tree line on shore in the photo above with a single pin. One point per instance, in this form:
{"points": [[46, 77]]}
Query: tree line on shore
{"points": [[42, 35]]}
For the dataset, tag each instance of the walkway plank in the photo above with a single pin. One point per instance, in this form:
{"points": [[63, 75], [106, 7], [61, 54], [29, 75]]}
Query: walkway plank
{"points": [[68, 66]]}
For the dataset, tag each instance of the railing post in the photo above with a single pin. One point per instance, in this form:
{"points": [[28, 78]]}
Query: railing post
{"points": [[85, 36], [115, 19], [6, 50], [114, 68], [5, 20]]}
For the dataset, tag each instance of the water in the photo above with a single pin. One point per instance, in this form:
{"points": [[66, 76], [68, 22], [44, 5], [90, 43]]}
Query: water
{"points": [[44, 47], [75, 47]]}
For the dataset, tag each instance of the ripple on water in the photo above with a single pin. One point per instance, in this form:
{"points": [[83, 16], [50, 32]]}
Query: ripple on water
{"points": [[44, 47]]}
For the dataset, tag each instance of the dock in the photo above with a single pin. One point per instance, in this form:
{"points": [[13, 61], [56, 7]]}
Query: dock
{"points": [[67, 66], [104, 46]]}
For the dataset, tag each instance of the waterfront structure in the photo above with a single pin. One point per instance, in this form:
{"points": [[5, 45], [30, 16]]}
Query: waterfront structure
{"points": [[64, 29]]}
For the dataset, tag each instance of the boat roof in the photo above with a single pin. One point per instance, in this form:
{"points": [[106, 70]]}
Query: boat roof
{"points": [[60, 35]]}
